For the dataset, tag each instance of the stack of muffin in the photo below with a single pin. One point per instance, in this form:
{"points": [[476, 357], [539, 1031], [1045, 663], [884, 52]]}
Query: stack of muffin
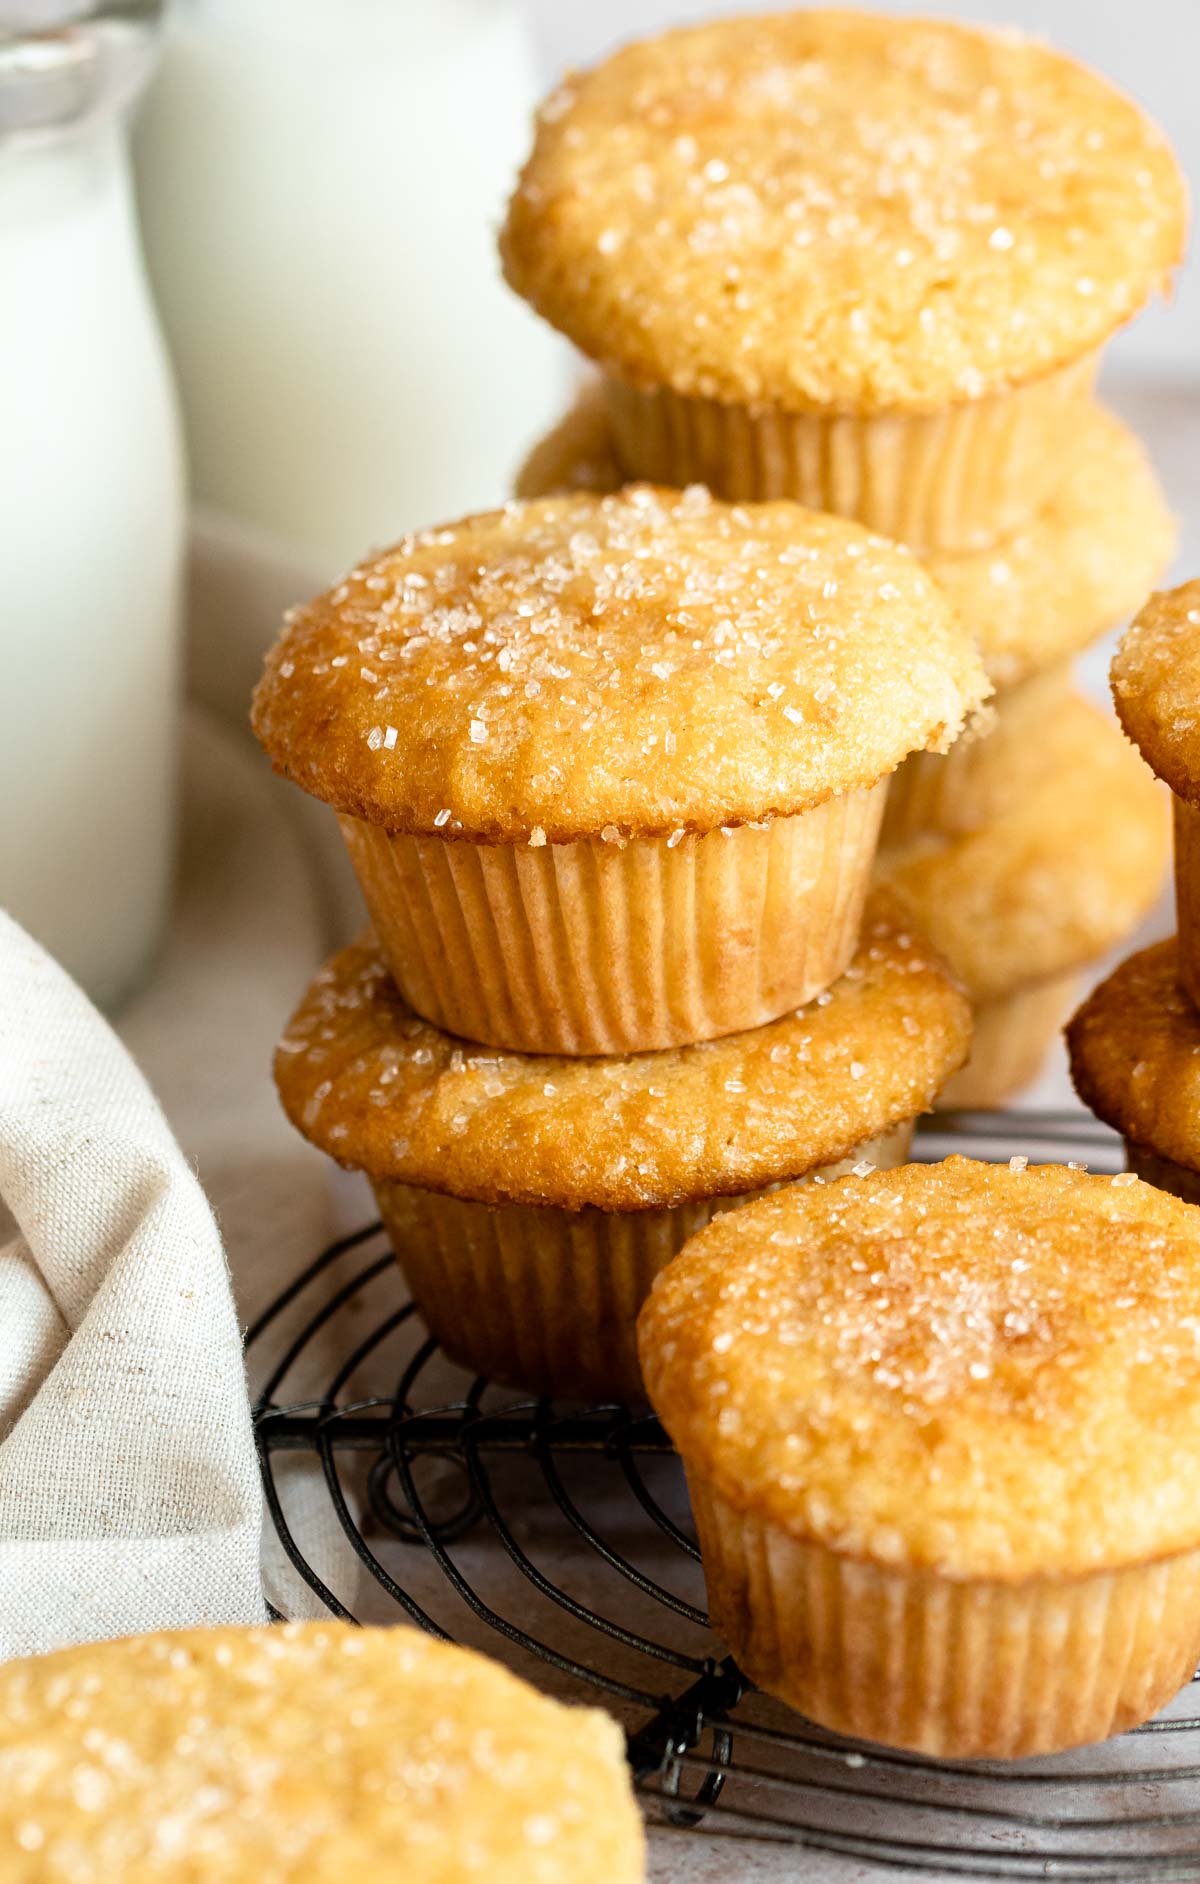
{"points": [[612, 764], [1135, 1043], [611, 772], [869, 264]]}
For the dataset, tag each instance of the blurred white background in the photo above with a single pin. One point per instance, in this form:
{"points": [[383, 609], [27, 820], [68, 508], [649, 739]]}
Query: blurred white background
{"points": [[1150, 47]]}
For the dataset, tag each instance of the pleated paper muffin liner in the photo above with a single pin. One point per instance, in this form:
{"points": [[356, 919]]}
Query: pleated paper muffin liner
{"points": [[983, 774], [548, 1299], [1011, 1039], [955, 1669], [1187, 894], [950, 481], [604, 948]]}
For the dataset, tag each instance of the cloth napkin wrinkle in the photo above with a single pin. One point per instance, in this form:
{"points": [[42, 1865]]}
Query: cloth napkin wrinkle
{"points": [[129, 1494]]}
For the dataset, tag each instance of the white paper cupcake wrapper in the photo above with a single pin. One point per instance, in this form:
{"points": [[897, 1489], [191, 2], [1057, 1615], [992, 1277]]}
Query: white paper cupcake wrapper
{"points": [[548, 1299], [950, 481], [604, 948]]}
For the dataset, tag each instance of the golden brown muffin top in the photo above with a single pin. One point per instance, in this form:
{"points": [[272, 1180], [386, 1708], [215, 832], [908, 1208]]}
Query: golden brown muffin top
{"points": [[600, 666], [1156, 687], [382, 1091], [984, 1371], [1134, 1048], [841, 210], [313, 1753], [1081, 565], [1057, 880]]}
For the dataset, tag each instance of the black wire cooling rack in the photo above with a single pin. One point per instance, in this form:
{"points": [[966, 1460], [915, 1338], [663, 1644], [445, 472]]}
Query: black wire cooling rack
{"points": [[558, 1538]]}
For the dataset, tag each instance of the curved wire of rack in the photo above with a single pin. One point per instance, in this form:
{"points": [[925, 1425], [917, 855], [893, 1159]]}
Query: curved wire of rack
{"points": [[558, 1537]]}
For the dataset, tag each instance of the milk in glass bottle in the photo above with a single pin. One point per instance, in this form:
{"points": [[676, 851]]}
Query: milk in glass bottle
{"points": [[321, 182], [91, 503]]}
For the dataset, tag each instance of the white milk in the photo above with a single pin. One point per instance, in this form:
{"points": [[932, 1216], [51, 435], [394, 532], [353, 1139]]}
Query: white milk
{"points": [[321, 182], [91, 525]]}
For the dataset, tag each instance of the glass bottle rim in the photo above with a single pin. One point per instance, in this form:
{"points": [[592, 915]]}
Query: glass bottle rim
{"points": [[64, 62]]}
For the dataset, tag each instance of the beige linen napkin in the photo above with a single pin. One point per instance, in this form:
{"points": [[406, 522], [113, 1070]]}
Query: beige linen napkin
{"points": [[129, 1495]]}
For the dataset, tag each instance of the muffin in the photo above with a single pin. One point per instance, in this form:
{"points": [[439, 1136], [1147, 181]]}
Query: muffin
{"points": [[531, 1201], [315, 1752], [941, 1428], [1020, 906], [987, 773], [1134, 1049], [1012, 1035], [860, 261], [1079, 567], [1156, 687], [611, 769]]}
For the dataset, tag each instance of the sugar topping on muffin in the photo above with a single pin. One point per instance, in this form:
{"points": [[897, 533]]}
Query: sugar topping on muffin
{"points": [[1082, 563], [842, 210], [312, 1750], [644, 663], [988, 1371]]}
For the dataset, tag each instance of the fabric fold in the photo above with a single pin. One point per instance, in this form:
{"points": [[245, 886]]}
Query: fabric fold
{"points": [[129, 1491]]}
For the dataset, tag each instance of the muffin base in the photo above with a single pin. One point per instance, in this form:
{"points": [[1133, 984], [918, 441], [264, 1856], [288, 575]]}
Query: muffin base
{"points": [[1011, 1040], [548, 1299], [982, 775], [956, 1669], [606, 948], [951, 481], [1187, 894], [1163, 1173]]}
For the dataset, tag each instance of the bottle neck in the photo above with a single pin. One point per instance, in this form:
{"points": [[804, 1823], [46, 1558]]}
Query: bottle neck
{"points": [[51, 179]]}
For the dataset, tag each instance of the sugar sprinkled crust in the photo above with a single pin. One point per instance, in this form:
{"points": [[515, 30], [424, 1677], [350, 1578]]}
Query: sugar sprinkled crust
{"points": [[380, 1090], [1083, 563], [311, 1753], [1134, 1048], [643, 663], [986, 1371], [1156, 687], [1056, 881], [841, 210]]}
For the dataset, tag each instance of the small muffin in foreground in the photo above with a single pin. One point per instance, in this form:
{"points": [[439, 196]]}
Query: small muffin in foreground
{"points": [[1080, 566], [1134, 1049], [860, 261], [531, 1201], [1023, 904], [311, 1753], [611, 769], [941, 1428], [1156, 687]]}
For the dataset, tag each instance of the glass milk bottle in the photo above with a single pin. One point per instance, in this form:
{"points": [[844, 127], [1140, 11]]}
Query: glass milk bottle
{"points": [[321, 183], [91, 505]]}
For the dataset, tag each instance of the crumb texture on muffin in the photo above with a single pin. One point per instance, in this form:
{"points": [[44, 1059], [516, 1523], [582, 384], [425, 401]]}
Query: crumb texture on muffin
{"points": [[1156, 687], [314, 1752], [384, 1092], [1055, 881], [987, 1371], [1082, 564], [1134, 1048], [585, 667], [841, 210]]}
